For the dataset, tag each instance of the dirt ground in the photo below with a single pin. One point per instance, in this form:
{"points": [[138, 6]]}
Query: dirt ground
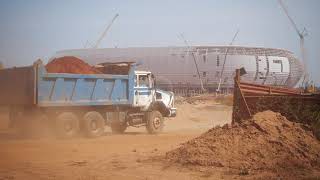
{"points": [[133, 155], [267, 145]]}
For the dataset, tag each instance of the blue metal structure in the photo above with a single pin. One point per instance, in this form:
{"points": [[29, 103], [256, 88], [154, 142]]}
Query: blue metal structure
{"points": [[62, 89]]}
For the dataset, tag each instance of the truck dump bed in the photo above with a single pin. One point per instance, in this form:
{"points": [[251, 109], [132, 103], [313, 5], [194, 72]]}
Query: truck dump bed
{"points": [[34, 86]]}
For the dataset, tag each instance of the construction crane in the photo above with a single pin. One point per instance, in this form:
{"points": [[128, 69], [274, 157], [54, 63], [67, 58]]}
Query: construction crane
{"points": [[302, 34], [225, 59], [194, 60], [105, 32]]}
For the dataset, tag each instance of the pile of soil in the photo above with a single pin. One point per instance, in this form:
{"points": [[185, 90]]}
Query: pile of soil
{"points": [[70, 64], [267, 142]]}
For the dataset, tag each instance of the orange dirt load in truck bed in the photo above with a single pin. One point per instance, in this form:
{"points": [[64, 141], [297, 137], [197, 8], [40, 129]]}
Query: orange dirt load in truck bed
{"points": [[70, 64]]}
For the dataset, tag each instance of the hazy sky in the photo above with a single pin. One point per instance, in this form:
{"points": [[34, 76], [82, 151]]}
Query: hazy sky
{"points": [[37, 29]]}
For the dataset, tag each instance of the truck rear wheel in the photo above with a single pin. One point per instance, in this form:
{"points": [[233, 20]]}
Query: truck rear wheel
{"points": [[67, 125], [93, 124], [118, 128], [155, 122]]}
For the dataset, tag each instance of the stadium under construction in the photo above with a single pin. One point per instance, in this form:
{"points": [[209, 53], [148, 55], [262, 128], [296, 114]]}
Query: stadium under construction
{"points": [[180, 68]]}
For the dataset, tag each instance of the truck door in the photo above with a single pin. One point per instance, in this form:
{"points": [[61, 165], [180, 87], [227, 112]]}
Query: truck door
{"points": [[143, 95]]}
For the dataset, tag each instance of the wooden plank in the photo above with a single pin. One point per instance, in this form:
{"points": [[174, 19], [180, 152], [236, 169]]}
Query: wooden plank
{"points": [[244, 99], [264, 90]]}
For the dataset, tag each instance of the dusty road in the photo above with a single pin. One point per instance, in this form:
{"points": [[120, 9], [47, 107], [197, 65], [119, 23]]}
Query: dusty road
{"points": [[133, 155]]}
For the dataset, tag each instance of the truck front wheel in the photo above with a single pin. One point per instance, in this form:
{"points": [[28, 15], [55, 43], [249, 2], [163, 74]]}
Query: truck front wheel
{"points": [[155, 122], [67, 125], [93, 124]]}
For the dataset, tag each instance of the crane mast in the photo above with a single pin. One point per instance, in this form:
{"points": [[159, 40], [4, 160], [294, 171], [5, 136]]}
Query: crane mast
{"points": [[301, 35], [105, 32], [194, 60], [225, 59]]}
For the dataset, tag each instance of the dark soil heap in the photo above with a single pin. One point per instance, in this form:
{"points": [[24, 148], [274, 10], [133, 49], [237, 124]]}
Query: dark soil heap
{"points": [[266, 142], [70, 64]]}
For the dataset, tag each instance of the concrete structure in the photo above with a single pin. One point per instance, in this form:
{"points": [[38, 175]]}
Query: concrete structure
{"points": [[174, 67]]}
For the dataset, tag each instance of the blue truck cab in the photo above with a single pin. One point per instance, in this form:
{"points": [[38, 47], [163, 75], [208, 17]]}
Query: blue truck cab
{"points": [[73, 103]]}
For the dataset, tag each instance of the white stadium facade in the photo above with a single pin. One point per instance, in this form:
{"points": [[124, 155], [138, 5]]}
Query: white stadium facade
{"points": [[175, 69]]}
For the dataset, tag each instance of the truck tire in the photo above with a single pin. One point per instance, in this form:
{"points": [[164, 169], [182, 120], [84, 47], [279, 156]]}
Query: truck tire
{"points": [[155, 122], [93, 124], [118, 128], [67, 125]]}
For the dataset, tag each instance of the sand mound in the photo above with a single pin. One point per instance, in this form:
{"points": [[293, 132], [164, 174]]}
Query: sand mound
{"points": [[266, 142], [70, 64]]}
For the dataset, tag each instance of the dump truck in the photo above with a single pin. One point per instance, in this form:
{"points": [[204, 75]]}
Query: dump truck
{"points": [[71, 104]]}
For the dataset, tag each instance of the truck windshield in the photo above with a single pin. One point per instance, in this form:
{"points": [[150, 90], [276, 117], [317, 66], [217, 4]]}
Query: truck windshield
{"points": [[143, 81]]}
